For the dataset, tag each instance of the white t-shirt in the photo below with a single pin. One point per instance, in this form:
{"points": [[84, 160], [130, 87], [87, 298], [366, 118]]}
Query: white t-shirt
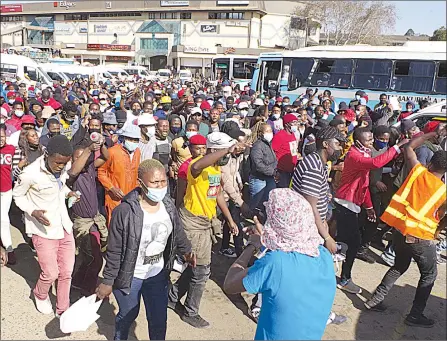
{"points": [[157, 227]]}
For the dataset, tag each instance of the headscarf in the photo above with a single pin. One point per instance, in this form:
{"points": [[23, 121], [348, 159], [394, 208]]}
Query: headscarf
{"points": [[290, 230]]}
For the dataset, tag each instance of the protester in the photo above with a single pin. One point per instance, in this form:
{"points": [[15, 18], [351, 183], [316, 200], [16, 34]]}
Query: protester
{"points": [[288, 312]]}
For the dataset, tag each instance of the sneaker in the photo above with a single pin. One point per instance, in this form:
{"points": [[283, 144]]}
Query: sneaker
{"points": [[365, 256], [254, 313], [375, 306], [44, 306], [228, 253], [336, 319], [388, 260], [439, 259], [420, 321], [349, 286], [196, 321], [12, 260]]}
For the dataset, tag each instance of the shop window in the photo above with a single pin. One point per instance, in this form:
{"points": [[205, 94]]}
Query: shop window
{"points": [[186, 15]]}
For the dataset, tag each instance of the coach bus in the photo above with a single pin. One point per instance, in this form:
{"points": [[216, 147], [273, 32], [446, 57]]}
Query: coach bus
{"points": [[238, 68], [414, 72]]}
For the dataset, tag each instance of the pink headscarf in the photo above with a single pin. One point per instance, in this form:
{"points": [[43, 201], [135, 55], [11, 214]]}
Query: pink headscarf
{"points": [[290, 224]]}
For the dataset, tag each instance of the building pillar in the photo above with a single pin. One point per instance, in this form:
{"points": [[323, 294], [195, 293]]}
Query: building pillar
{"points": [[203, 67], [82, 59]]}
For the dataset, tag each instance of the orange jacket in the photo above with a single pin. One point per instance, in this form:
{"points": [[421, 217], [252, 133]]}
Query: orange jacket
{"points": [[413, 210], [119, 171]]}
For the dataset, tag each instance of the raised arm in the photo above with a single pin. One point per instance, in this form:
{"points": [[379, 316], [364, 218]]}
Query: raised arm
{"points": [[409, 153]]}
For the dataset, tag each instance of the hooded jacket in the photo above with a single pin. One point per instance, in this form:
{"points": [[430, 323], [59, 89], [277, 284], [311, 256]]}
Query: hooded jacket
{"points": [[125, 236]]}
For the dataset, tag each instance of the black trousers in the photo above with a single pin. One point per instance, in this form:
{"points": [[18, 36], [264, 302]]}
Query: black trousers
{"points": [[348, 232], [424, 253]]}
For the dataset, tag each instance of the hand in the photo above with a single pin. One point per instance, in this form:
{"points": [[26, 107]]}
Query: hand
{"points": [[23, 163], [330, 244], [115, 138], [94, 147], [256, 229], [371, 215], [191, 259], [3, 256], [245, 210], [441, 130], [233, 228], [116, 194], [85, 120], [381, 186], [340, 167], [39, 215], [266, 102], [103, 291], [255, 240], [73, 194], [401, 143]]}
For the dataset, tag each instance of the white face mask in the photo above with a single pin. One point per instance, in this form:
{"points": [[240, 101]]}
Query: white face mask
{"points": [[276, 116], [103, 102], [19, 113], [357, 97], [357, 112], [150, 131], [156, 194], [190, 134], [11, 101], [130, 146], [268, 137], [243, 113]]}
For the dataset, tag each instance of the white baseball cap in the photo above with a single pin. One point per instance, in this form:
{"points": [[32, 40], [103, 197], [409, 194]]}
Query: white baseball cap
{"points": [[243, 105], [258, 101], [196, 110]]}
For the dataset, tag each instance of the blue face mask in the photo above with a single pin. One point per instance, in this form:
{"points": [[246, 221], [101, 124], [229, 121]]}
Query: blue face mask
{"points": [[381, 144], [130, 146], [155, 194]]}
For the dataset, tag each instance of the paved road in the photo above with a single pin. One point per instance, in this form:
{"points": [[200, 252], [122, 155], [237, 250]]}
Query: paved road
{"points": [[227, 315]]}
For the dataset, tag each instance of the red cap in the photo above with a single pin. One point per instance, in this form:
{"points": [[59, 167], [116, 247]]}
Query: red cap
{"points": [[349, 115], [19, 99], [205, 106], [28, 119], [11, 94], [289, 118], [430, 127], [197, 140], [57, 105], [278, 99]]}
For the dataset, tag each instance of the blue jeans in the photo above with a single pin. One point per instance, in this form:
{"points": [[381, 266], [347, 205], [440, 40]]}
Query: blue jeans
{"points": [[259, 191], [155, 296]]}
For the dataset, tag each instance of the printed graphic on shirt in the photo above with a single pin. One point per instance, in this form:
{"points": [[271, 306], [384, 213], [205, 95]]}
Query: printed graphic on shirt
{"points": [[277, 125], [213, 188], [5, 159], [153, 242], [293, 148]]}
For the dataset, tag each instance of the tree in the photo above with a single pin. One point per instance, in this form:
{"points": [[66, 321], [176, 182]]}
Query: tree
{"points": [[410, 33], [439, 35], [350, 22]]}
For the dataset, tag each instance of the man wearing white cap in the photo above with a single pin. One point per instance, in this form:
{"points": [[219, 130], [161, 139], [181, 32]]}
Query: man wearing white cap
{"points": [[203, 195], [119, 174], [243, 113], [147, 143]]}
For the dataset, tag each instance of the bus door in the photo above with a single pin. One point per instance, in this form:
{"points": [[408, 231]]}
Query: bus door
{"points": [[221, 69], [269, 77]]}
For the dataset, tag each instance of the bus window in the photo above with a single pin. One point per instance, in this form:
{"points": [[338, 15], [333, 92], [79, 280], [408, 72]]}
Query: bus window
{"points": [[441, 84], [299, 72], [132, 72], [372, 74], [414, 76], [333, 72], [243, 69], [31, 72], [8, 71], [54, 76]]}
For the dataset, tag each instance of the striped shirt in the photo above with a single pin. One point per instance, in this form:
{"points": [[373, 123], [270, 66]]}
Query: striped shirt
{"points": [[311, 178]]}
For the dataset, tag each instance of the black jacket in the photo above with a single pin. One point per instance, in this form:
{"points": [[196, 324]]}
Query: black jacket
{"points": [[124, 240], [263, 160]]}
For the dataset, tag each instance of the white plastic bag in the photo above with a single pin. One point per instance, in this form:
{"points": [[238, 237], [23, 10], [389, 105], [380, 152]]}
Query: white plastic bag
{"points": [[81, 315]]}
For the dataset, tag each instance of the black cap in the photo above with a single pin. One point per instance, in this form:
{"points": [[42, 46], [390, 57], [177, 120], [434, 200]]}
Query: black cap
{"points": [[328, 133]]}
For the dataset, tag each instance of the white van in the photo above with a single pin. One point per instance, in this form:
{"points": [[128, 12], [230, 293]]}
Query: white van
{"points": [[185, 76], [55, 73], [164, 75], [117, 72], [85, 72], [13, 66], [137, 70]]}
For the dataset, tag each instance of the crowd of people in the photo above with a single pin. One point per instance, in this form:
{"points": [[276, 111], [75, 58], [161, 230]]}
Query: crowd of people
{"points": [[143, 177]]}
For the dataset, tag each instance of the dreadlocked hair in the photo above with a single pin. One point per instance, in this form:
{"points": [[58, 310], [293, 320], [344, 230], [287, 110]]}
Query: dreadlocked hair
{"points": [[256, 132]]}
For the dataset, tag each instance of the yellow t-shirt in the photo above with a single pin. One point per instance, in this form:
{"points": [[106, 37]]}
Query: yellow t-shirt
{"points": [[201, 192]]}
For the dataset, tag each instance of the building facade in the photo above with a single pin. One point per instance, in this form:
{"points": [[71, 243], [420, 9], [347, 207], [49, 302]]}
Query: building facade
{"points": [[183, 34]]}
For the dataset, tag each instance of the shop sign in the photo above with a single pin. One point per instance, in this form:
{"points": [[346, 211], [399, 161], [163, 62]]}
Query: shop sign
{"points": [[82, 28], [208, 28], [237, 23], [108, 47], [67, 4], [63, 28], [11, 8], [174, 3], [199, 49]]}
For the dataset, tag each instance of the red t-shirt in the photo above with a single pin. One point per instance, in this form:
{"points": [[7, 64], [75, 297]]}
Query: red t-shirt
{"points": [[183, 170], [285, 146], [6, 154], [51, 103]]}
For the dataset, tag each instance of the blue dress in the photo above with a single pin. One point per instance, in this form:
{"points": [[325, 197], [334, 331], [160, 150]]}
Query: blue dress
{"points": [[297, 294]]}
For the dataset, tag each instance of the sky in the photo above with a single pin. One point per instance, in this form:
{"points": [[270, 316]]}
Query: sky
{"points": [[422, 16]]}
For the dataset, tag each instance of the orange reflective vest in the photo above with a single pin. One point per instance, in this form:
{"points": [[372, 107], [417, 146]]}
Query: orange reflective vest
{"points": [[414, 208]]}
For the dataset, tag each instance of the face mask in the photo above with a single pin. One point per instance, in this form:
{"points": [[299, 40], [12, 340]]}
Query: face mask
{"points": [[243, 113], [130, 146], [103, 102], [156, 194], [136, 112], [276, 116], [293, 129], [381, 144], [334, 157], [223, 160], [19, 113], [268, 137], [11, 101], [150, 131], [95, 131], [45, 100], [190, 134], [357, 97], [357, 112], [310, 148], [176, 130]]}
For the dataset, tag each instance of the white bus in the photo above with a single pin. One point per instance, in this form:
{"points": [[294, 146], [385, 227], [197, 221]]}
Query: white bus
{"points": [[414, 72], [13, 66], [238, 68]]}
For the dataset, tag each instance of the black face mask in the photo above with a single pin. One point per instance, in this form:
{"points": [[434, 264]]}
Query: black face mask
{"points": [[223, 160], [95, 131], [310, 148], [334, 157]]}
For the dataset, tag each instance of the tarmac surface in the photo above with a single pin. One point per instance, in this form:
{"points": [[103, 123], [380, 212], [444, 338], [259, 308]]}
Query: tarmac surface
{"points": [[227, 314]]}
